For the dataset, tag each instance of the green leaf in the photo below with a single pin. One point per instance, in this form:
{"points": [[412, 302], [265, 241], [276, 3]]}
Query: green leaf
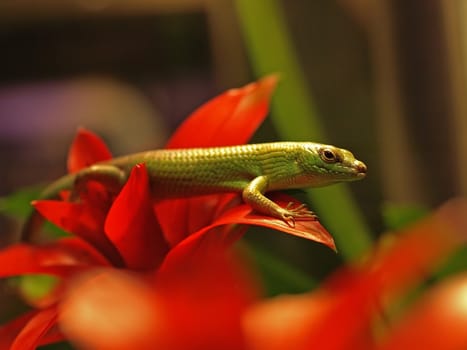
{"points": [[18, 204], [456, 263], [397, 217]]}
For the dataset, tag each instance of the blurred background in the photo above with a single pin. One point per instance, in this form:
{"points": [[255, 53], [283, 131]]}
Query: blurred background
{"points": [[385, 79]]}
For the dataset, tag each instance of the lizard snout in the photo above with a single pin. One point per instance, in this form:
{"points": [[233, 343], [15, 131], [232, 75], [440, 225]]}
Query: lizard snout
{"points": [[360, 167]]}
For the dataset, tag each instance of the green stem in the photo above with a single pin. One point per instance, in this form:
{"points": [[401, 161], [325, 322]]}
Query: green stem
{"points": [[270, 50]]}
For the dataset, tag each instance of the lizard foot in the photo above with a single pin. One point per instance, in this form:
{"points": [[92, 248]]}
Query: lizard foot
{"points": [[290, 213]]}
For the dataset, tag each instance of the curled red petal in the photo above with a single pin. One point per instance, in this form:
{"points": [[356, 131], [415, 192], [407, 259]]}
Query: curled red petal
{"points": [[83, 220], [228, 119], [87, 148], [131, 224]]}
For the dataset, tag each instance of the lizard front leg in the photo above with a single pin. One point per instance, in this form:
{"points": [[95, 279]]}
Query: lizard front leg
{"points": [[253, 194]]}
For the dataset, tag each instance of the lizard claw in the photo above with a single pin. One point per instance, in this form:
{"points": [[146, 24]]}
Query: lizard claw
{"points": [[288, 219], [290, 214]]}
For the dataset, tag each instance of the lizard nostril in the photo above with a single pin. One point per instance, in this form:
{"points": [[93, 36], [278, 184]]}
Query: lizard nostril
{"points": [[361, 167]]}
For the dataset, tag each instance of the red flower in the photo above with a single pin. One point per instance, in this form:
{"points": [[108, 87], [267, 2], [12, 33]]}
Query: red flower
{"points": [[129, 231], [144, 275]]}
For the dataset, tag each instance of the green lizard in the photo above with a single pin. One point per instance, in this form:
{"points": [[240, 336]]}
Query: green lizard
{"points": [[251, 169]]}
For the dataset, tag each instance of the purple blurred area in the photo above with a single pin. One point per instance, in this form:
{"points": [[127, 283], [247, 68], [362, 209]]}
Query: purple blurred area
{"points": [[113, 75], [38, 120]]}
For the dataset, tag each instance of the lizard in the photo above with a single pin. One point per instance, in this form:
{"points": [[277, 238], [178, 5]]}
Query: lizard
{"points": [[250, 169]]}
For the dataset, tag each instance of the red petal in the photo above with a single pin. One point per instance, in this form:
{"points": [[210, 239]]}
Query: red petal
{"points": [[200, 212], [82, 220], [86, 149], [228, 119], [205, 301], [110, 309], [196, 212], [132, 226], [284, 322], [10, 330], [35, 329], [437, 321], [61, 258], [83, 251], [308, 229], [208, 239]]}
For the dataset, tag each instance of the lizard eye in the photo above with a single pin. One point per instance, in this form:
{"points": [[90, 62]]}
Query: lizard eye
{"points": [[328, 155]]}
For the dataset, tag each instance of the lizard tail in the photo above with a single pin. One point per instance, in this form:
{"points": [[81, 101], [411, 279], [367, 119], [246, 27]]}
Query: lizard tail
{"points": [[33, 224]]}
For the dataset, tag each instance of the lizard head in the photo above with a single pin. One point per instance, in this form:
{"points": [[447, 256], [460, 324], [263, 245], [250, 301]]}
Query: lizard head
{"points": [[326, 164]]}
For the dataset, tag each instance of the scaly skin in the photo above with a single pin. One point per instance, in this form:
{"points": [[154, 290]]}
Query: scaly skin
{"points": [[252, 169]]}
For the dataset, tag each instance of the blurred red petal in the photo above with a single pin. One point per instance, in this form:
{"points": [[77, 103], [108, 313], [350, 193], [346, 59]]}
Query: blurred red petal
{"points": [[193, 307], [85, 221], [284, 322], [420, 247], [60, 258], [87, 148], [109, 309], [131, 224], [412, 256], [346, 323], [220, 289], [37, 327], [436, 322], [228, 119]]}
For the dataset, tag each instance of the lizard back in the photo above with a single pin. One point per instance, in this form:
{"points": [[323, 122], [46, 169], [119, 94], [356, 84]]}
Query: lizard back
{"points": [[195, 171]]}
